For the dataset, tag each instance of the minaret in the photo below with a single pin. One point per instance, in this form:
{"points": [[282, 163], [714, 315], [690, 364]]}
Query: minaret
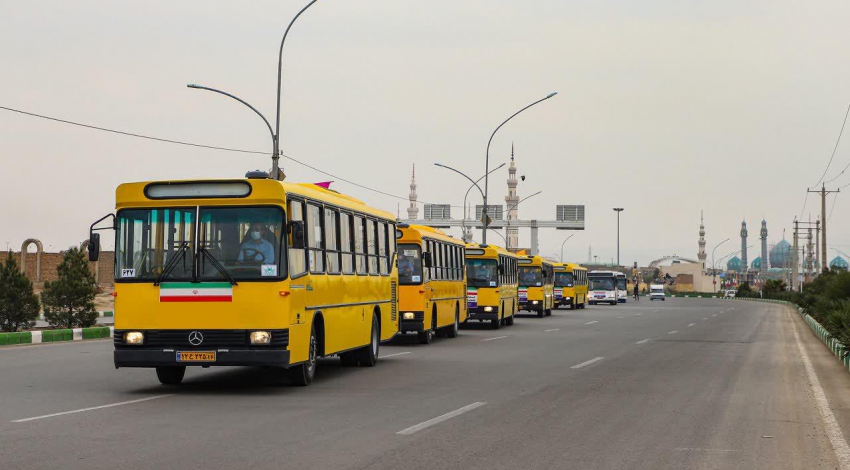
{"points": [[765, 261], [512, 201], [702, 254], [413, 209], [744, 246]]}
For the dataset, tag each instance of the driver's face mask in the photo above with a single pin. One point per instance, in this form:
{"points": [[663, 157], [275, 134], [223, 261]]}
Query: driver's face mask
{"points": [[255, 235]]}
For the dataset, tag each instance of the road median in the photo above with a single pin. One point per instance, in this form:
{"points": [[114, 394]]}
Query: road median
{"points": [[55, 336]]}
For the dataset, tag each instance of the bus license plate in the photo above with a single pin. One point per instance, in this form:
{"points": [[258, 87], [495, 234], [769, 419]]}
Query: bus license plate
{"points": [[195, 356]]}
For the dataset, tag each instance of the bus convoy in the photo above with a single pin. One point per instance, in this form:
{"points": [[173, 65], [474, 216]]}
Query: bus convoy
{"points": [[259, 272]]}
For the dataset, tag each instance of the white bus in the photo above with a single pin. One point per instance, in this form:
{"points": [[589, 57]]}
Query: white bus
{"points": [[622, 288], [602, 287]]}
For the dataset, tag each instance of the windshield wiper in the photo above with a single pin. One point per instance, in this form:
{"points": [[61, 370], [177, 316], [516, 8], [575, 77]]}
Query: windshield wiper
{"points": [[218, 266], [171, 263]]}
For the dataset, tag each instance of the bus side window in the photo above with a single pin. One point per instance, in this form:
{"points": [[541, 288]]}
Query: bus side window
{"points": [[346, 243], [297, 265], [314, 238], [383, 255], [372, 244], [360, 243], [332, 240]]}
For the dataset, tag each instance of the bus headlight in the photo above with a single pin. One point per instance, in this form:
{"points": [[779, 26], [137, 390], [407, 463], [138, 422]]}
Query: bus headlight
{"points": [[488, 309], [408, 315], [533, 302], [261, 337], [134, 337]]}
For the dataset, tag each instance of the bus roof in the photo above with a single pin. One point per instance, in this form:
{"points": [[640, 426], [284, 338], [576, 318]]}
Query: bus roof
{"points": [[576, 267], [533, 260], [603, 273], [259, 191], [416, 233], [475, 250]]}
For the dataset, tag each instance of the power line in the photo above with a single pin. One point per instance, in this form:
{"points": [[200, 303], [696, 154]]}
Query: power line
{"points": [[840, 133], [834, 200], [211, 147]]}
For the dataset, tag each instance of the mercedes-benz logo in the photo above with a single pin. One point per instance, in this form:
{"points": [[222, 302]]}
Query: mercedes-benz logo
{"points": [[196, 338]]}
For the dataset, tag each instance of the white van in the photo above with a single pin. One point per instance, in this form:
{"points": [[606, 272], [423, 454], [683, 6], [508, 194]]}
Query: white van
{"points": [[656, 291]]}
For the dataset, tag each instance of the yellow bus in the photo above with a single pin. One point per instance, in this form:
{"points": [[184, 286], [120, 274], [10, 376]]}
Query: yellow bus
{"points": [[249, 272], [432, 282], [536, 285], [570, 285], [491, 276]]}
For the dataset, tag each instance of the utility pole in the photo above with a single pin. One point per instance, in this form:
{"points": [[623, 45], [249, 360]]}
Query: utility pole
{"points": [[795, 260], [818, 270], [823, 192], [618, 210]]}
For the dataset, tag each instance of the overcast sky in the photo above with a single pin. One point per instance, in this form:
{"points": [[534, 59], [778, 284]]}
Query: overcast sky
{"points": [[665, 107]]}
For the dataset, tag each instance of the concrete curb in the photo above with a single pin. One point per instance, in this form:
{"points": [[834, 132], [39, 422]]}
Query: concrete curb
{"points": [[838, 349], [53, 336]]}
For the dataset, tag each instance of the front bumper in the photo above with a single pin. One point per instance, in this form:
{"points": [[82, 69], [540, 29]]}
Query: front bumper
{"points": [[531, 306], [417, 324], [224, 357], [478, 313]]}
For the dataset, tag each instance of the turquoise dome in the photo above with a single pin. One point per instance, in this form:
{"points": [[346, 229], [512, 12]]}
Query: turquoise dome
{"points": [[781, 255], [756, 264], [838, 263], [734, 264]]}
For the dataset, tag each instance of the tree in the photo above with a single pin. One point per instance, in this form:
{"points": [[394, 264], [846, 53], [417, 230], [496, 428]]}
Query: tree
{"points": [[69, 301], [773, 286], [744, 288], [19, 305]]}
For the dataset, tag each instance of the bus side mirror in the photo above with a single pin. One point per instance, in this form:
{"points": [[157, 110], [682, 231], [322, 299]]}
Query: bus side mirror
{"points": [[94, 246], [426, 259], [296, 230]]}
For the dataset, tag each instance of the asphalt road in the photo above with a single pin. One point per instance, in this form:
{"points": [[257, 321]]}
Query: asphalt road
{"points": [[682, 384]]}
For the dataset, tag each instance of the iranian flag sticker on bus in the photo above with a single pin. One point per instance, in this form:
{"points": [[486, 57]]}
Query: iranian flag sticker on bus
{"points": [[471, 297], [195, 292]]}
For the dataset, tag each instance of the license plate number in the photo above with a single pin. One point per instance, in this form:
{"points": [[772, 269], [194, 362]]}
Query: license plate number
{"points": [[195, 356]]}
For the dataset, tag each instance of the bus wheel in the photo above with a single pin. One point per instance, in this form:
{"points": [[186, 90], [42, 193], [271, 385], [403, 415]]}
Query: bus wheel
{"points": [[427, 336], [170, 375], [572, 305], [452, 332], [303, 374], [541, 313], [368, 355], [549, 312], [496, 323]]}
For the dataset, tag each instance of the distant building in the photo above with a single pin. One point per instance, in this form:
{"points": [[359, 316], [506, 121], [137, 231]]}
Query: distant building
{"points": [[735, 264], [512, 202], [702, 255], [839, 263], [413, 208], [743, 246], [764, 265]]}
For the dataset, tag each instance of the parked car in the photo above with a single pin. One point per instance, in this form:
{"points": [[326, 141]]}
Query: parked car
{"points": [[730, 294], [656, 292]]}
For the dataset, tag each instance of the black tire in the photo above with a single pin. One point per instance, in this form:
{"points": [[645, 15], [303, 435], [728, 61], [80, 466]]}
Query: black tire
{"points": [[541, 313], [572, 305], [171, 375], [549, 312], [496, 323], [427, 336], [304, 373], [368, 355], [452, 332]]}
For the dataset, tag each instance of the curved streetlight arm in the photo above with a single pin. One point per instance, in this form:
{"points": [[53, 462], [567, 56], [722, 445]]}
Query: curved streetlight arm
{"points": [[201, 87], [476, 183], [461, 174], [713, 264], [276, 155], [562, 246], [487, 156], [499, 234]]}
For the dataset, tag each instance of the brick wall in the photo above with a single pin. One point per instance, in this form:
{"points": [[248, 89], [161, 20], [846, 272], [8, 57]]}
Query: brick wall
{"points": [[50, 261]]}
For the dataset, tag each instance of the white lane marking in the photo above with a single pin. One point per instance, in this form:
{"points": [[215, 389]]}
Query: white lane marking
{"points": [[655, 310], [704, 449], [691, 324], [643, 341], [714, 315], [637, 314], [591, 322], [553, 329], [704, 319], [672, 332], [396, 354], [621, 317], [491, 339], [587, 363], [130, 402], [441, 418], [833, 430]]}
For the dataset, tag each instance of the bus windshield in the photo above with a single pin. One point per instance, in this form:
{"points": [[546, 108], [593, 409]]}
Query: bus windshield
{"points": [[409, 264], [602, 283], [236, 243], [482, 272], [621, 283], [563, 279], [530, 276]]}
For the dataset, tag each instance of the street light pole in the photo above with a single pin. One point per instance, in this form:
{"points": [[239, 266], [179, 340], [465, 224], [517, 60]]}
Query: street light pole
{"points": [[714, 266], [508, 211], [276, 155], [562, 246], [467, 194], [487, 162], [201, 87], [618, 210]]}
